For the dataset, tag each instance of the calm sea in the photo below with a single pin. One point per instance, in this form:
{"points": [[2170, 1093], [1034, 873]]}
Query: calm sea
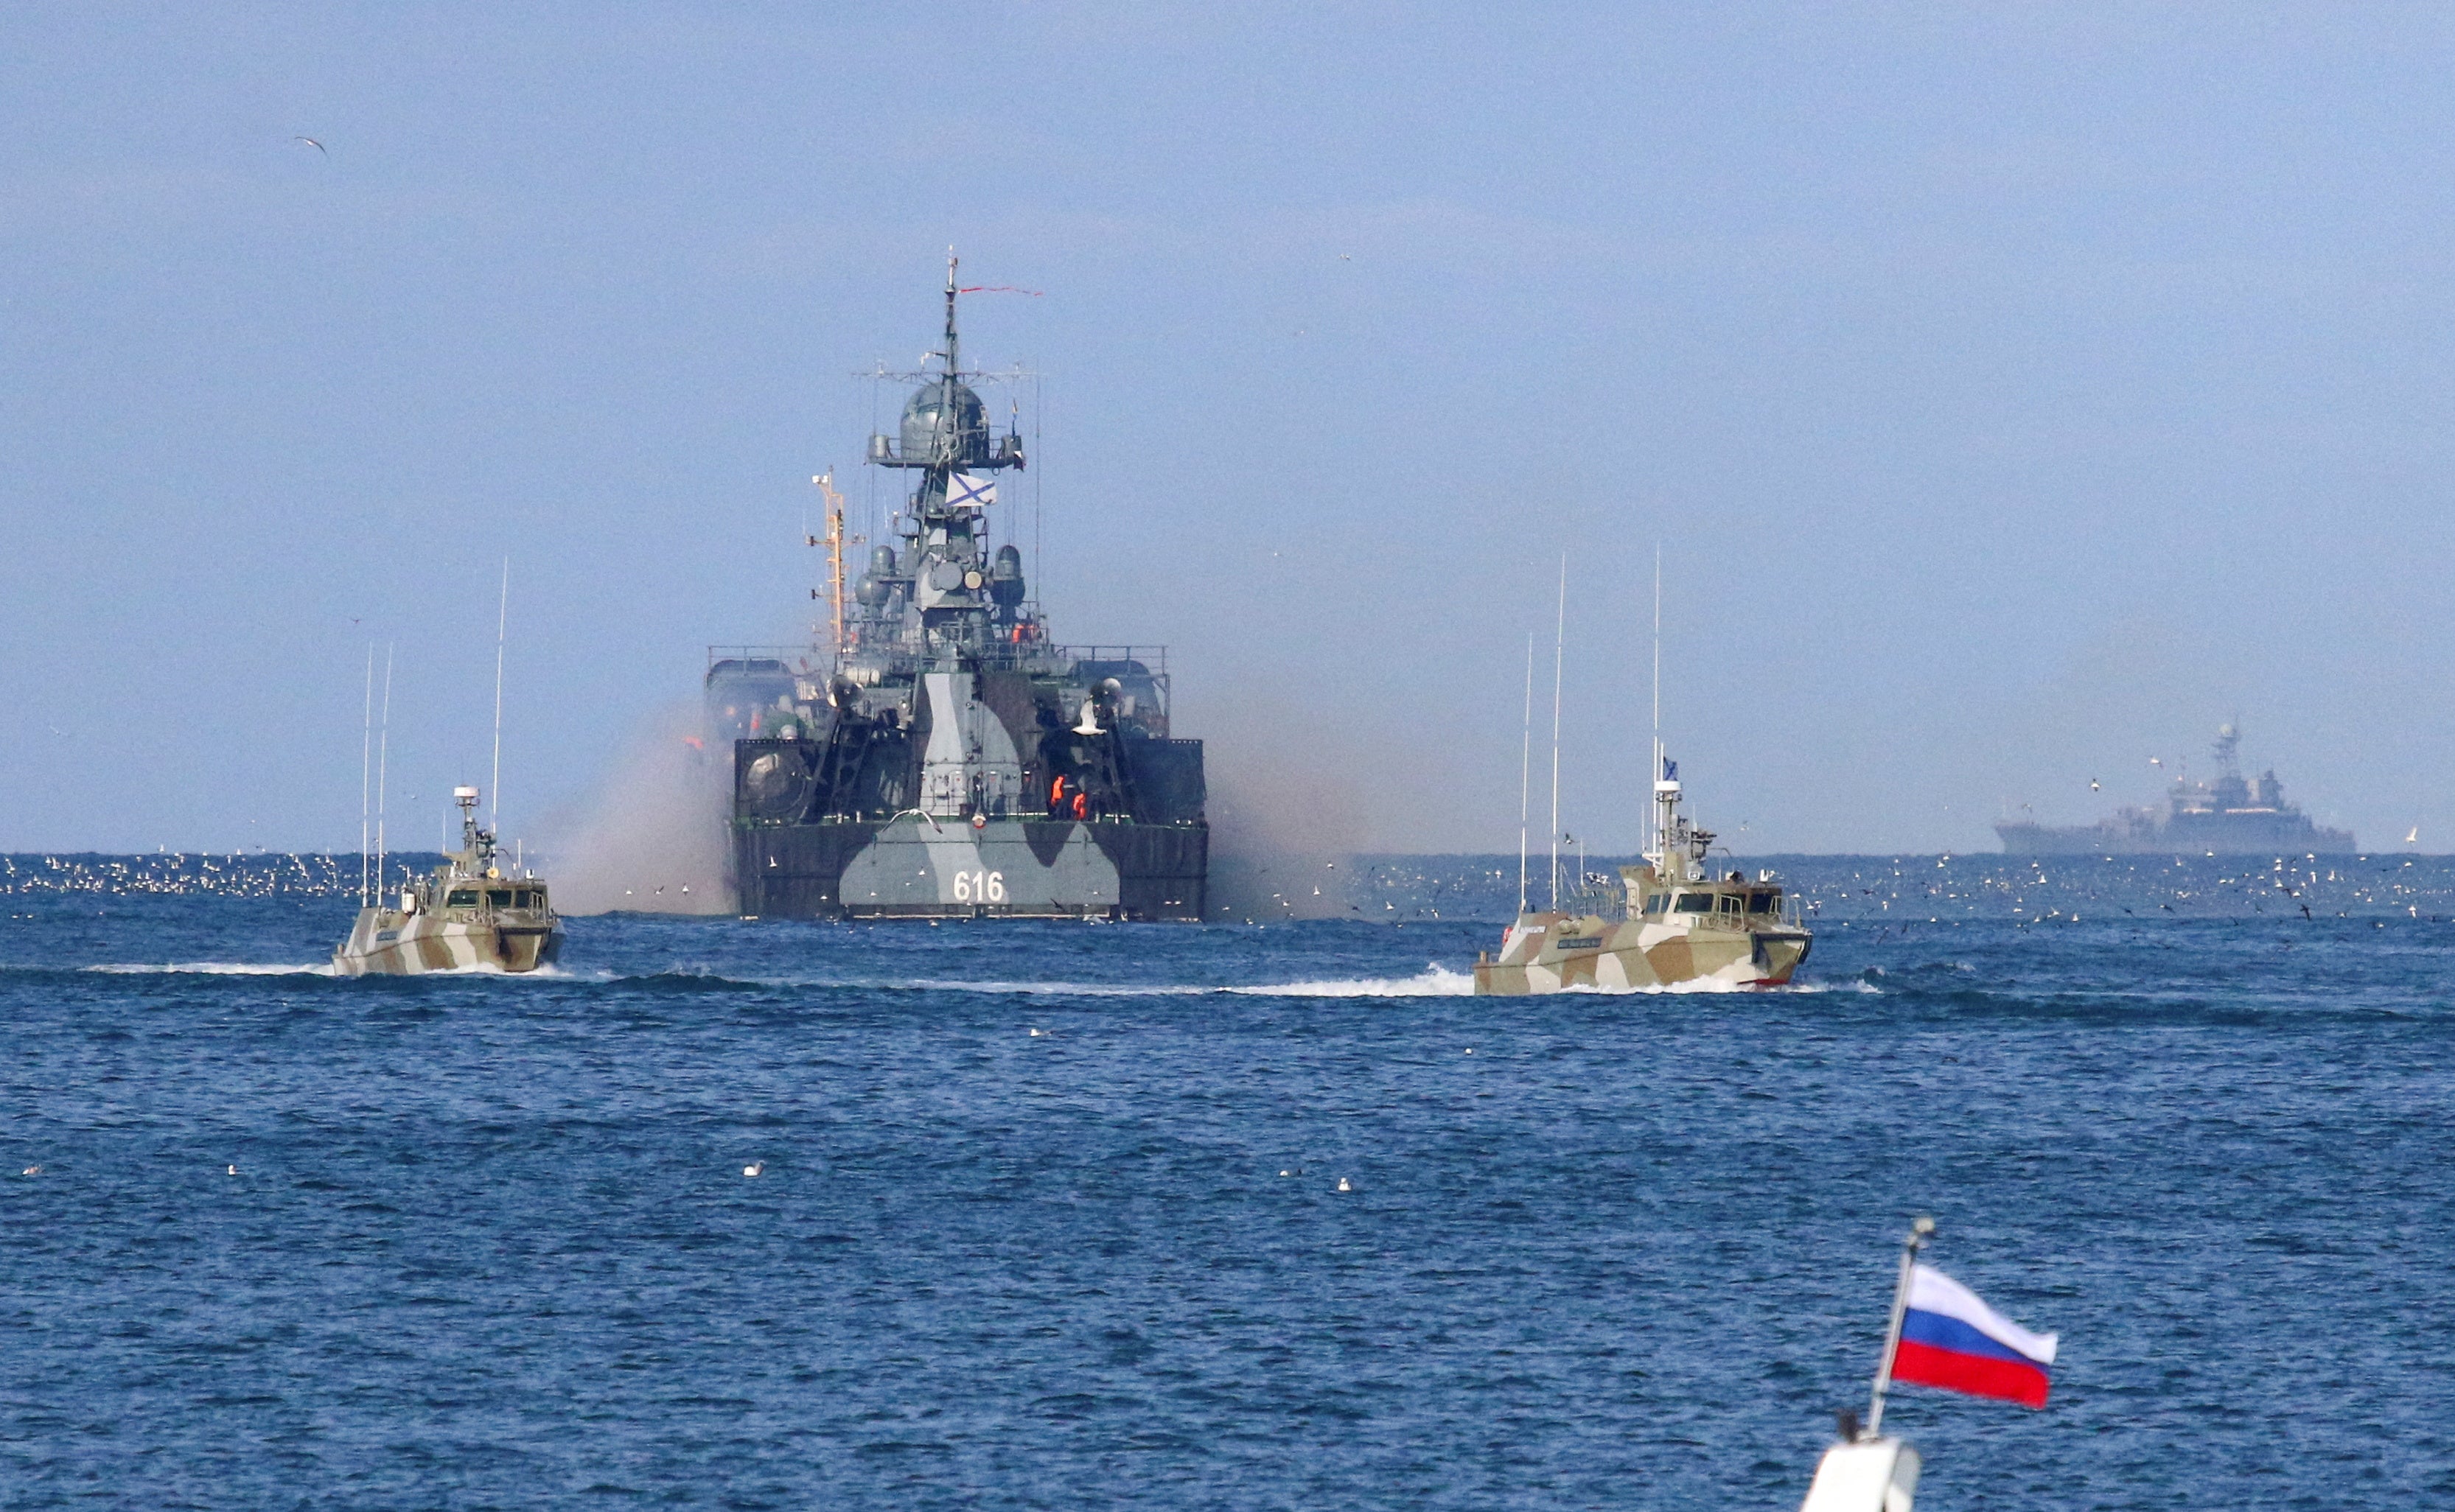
{"points": [[489, 1243]]}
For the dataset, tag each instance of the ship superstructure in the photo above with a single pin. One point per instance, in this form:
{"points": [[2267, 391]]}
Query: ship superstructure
{"points": [[941, 756], [2231, 815]]}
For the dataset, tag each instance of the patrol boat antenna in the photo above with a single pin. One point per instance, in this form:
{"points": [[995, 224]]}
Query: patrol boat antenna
{"points": [[502, 619], [1658, 669], [1559, 650], [1525, 769]]}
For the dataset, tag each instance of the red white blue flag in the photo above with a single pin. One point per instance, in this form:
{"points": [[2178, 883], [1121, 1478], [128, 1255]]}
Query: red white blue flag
{"points": [[1950, 1338]]}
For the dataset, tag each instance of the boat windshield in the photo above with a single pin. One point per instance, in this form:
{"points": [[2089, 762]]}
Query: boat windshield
{"points": [[1763, 903], [1693, 903], [500, 897], [1654, 904], [462, 898]]}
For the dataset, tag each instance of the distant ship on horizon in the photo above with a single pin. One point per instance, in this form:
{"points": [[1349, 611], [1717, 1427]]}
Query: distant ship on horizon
{"points": [[2229, 817]]}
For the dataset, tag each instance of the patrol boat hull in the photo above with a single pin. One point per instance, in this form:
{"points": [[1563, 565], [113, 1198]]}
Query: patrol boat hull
{"points": [[1553, 952], [386, 942], [1003, 868]]}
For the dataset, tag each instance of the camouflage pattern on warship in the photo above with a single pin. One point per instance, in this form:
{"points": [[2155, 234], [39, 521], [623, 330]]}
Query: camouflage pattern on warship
{"points": [[941, 757], [1675, 923], [2228, 817]]}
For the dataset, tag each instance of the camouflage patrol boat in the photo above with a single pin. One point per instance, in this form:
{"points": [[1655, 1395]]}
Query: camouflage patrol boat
{"points": [[941, 757], [1675, 923], [468, 914]]}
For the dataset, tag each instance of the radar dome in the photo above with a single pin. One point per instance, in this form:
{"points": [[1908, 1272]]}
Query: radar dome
{"points": [[966, 431]]}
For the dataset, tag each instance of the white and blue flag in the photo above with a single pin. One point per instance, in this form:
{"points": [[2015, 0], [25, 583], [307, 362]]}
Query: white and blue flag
{"points": [[962, 488]]}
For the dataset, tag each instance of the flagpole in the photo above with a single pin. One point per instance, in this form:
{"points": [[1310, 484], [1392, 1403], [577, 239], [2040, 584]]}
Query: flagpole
{"points": [[1920, 1230]]}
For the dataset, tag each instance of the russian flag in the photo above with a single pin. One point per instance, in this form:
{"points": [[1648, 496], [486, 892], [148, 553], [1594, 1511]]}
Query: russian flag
{"points": [[1950, 1338]]}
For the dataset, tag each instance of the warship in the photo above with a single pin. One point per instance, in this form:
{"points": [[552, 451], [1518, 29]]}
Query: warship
{"points": [[939, 755], [1677, 923], [469, 914], [2229, 817]]}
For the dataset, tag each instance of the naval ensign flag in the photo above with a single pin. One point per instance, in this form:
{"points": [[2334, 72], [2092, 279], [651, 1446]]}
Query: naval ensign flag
{"points": [[1950, 1338], [964, 488]]}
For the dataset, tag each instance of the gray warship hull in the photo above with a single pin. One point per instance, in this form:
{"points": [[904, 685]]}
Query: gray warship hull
{"points": [[2232, 834], [1002, 869]]}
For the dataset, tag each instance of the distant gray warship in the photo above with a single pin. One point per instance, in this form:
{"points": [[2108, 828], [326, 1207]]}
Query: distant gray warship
{"points": [[942, 758], [2229, 817]]}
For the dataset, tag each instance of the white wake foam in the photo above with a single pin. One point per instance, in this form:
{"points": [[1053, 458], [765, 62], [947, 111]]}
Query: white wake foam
{"points": [[214, 968], [1433, 981]]}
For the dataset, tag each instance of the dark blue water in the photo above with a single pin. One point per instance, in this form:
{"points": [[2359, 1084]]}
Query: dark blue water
{"points": [[489, 1242]]}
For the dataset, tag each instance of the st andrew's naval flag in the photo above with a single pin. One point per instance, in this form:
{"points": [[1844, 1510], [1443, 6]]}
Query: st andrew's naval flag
{"points": [[964, 488], [1950, 1338]]}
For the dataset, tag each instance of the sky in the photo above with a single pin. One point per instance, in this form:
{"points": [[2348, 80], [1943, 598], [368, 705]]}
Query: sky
{"points": [[2014, 394]]}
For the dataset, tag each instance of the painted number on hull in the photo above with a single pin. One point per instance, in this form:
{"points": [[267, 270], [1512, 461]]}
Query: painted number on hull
{"points": [[979, 887]]}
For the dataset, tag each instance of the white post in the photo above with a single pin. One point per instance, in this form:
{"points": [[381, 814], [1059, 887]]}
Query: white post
{"points": [[1920, 1230], [502, 618], [1525, 770], [383, 769], [1560, 647], [367, 878], [1653, 812]]}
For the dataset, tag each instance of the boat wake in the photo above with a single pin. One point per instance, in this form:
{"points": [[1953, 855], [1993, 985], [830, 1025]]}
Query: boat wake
{"points": [[211, 968], [1433, 982]]}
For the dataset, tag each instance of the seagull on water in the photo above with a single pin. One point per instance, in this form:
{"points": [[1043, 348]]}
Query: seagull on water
{"points": [[753, 1168], [1344, 1186]]}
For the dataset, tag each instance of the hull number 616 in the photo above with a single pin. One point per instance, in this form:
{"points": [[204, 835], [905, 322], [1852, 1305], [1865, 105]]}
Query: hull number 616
{"points": [[979, 887]]}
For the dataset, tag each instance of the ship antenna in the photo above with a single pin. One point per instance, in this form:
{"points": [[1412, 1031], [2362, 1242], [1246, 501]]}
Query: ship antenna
{"points": [[366, 772], [1652, 819], [953, 365], [1525, 770], [383, 765], [502, 619], [1559, 645]]}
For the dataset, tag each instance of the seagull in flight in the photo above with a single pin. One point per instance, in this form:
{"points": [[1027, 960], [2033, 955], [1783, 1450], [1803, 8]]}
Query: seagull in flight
{"points": [[312, 142]]}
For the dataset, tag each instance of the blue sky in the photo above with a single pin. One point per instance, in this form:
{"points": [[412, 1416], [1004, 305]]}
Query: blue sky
{"points": [[2015, 393]]}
